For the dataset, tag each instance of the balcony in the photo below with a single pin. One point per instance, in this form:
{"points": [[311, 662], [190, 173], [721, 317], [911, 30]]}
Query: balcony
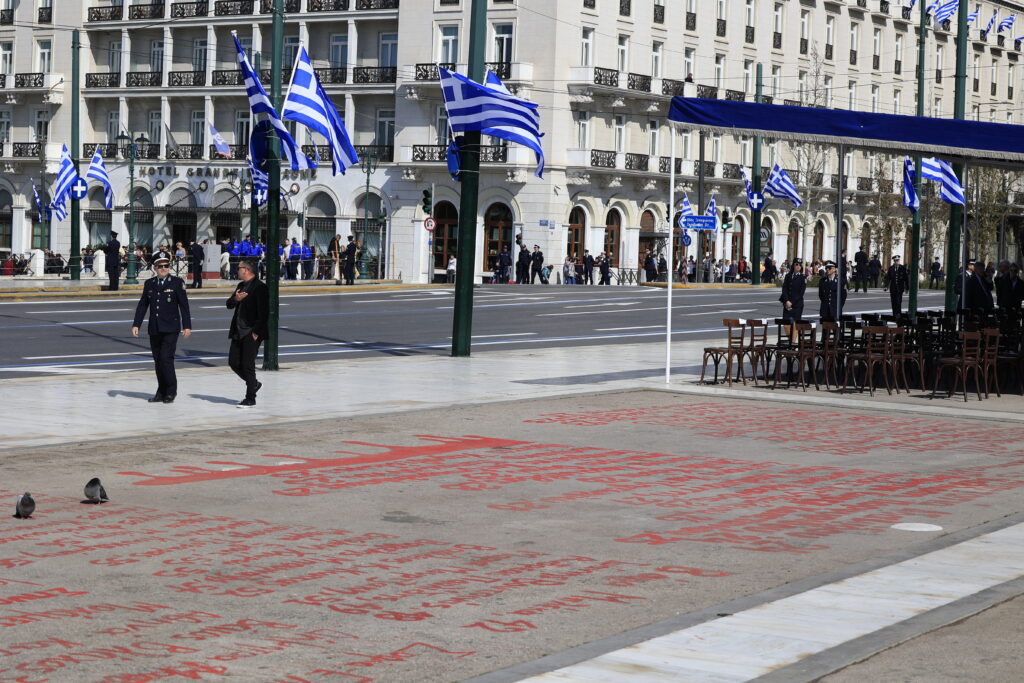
{"points": [[816, 179], [290, 6], [374, 74], [145, 150], [231, 8], [31, 80], [638, 82], [862, 3], [938, 75], [107, 149], [865, 184], [185, 152], [107, 80], [977, 85], [885, 185], [992, 93], [587, 4], [25, 150], [777, 41], [767, 99], [602, 158], [625, 8], [1009, 92], [608, 77], [1001, 41], [377, 4], [111, 13], [6, 17], [227, 77], [637, 162], [708, 166], [186, 79], [334, 74], [266, 73], [234, 152], [144, 79], [183, 10], [791, 103], [720, 28], [327, 5], [426, 71], [946, 25], [381, 152], [321, 153], [664, 165], [748, 35], [883, 6], [803, 46], [853, 56], [502, 70], [707, 91], [905, 13], [829, 51], [45, 15], [153, 11], [834, 182], [731, 171], [691, 21], [735, 95], [672, 88]]}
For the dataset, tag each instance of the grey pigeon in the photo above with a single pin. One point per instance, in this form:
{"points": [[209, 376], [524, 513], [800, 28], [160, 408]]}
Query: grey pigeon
{"points": [[25, 506], [94, 491]]}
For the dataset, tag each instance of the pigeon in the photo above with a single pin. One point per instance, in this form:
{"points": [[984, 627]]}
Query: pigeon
{"points": [[25, 506], [94, 491]]}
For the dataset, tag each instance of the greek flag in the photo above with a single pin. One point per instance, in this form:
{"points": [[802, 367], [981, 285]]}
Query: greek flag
{"points": [[66, 176], [910, 199], [974, 15], [97, 171], [931, 6], [308, 104], [944, 12], [60, 210], [992, 21], [781, 185], [750, 190], [1007, 23], [492, 110], [260, 184], [454, 157], [712, 209], [39, 202], [951, 191], [218, 142], [686, 209], [260, 103]]}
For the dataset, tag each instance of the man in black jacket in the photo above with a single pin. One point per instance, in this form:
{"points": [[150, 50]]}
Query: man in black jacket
{"points": [[935, 275], [164, 295], [251, 302], [113, 254], [874, 270], [197, 254], [860, 270], [350, 261], [831, 293], [897, 280], [523, 266], [588, 268], [537, 265]]}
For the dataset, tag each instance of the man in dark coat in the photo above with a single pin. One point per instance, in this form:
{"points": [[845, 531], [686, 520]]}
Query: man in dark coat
{"points": [[976, 292], [523, 266], [650, 266], [831, 293], [197, 254], [897, 281], [537, 265], [605, 267], [113, 252], [588, 268], [164, 295], [504, 265], [860, 270], [251, 303], [935, 275], [350, 261], [793, 287], [874, 270]]}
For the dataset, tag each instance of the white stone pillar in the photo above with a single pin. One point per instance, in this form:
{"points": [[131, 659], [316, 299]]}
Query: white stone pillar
{"points": [[211, 53], [165, 120], [168, 56], [21, 230], [208, 113], [126, 56]]}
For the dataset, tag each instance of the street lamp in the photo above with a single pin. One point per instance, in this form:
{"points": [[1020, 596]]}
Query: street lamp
{"points": [[44, 211], [369, 164], [130, 150]]}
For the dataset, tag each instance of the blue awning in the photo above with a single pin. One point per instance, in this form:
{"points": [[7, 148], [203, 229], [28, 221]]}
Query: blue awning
{"points": [[972, 141]]}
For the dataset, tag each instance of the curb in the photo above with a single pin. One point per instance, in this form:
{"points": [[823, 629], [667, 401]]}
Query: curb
{"points": [[730, 285], [134, 291]]}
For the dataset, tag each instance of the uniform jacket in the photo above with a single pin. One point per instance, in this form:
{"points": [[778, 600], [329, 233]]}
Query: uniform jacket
{"points": [[113, 252], [793, 287], [588, 262], [978, 294], [897, 278], [537, 259], [167, 304], [827, 296], [252, 313], [524, 257], [350, 252], [197, 254]]}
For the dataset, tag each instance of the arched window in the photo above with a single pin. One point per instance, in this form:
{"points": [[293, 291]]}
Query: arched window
{"points": [[446, 234], [577, 225], [6, 230], [819, 241], [320, 221], [612, 232], [497, 232], [793, 241]]}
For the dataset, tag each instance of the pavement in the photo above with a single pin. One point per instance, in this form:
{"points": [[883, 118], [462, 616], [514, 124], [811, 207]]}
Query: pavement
{"points": [[561, 514]]}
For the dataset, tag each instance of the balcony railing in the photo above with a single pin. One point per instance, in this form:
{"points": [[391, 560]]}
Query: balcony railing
{"points": [[227, 77], [182, 10], [234, 152], [720, 28], [6, 17], [885, 185], [110, 13], [107, 149], [767, 99], [659, 14], [834, 181], [374, 74], [494, 154], [266, 73], [625, 7], [290, 6], [707, 91], [791, 103], [186, 79], [185, 152], [638, 82], [862, 3], [326, 5], [977, 85], [321, 152], [144, 79], [671, 87], [380, 152], [45, 15], [992, 93], [865, 184], [588, 4], [609, 77], [938, 75], [426, 71], [334, 74], [602, 158], [25, 150], [147, 150], [883, 6], [905, 13], [709, 168], [3, 80], [731, 171], [691, 21], [664, 165], [748, 34], [946, 25], [876, 62], [816, 179], [376, 4], [502, 70], [637, 162], [897, 67], [230, 8], [735, 95], [777, 41], [1001, 41], [107, 80], [153, 11], [32, 80]]}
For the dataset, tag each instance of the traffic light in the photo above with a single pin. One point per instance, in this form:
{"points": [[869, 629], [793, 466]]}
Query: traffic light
{"points": [[725, 219], [428, 201]]}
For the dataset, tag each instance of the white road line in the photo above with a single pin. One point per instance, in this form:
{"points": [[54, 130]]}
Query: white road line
{"points": [[510, 334], [616, 329], [391, 300], [79, 310], [225, 307], [610, 303], [88, 355]]}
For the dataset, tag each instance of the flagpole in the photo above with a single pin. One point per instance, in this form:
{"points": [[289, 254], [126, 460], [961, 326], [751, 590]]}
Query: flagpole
{"points": [[915, 229], [270, 359], [956, 211], [755, 218], [254, 209], [671, 254], [74, 259]]}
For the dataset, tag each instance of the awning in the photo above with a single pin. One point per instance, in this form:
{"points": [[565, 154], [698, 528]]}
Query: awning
{"points": [[974, 141]]}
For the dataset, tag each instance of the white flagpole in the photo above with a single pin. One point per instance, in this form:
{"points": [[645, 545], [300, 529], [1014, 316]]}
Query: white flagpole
{"points": [[671, 255]]}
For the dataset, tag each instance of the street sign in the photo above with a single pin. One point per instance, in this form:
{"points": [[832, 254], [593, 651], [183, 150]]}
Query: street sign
{"points": [[698, 222], [756, 200], [79, 189], [429, 223], [687, 240]]}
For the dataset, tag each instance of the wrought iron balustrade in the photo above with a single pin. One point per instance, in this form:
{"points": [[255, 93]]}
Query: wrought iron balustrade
{"points": [[671, 87], [708, 166], [720, 28], [266, 73], [691, 21], [183, 10], [853, 56], [25, 150], [502, 70], [328, 5], [883, 6], [735, 95], [609, 77], [107, 80], [144, 79], [898, 67], [664, 165], [865, 184], [6, 17], [374, 74], [625, 7], [767, 99], [602, 158], [885, 185], [334, 74], [45, 15], [376, 4], [905, 13], [147, 150], [289, 6], [731, 171], [107, 149], [227, 77], [152, 11], [109, 13], [318, 152], [427, 71], [777, 40], [589, 4], [234, 152], [186, 79], [829, 50], [32, 80], [791, 103], [803, 46], [185, 152], [638, 82], [707, 91], [231, 8], [429, 153], [876, 61], [748, 34], [659, 14], [816, 179], [637, 162], [494, 154], [379, 152]]}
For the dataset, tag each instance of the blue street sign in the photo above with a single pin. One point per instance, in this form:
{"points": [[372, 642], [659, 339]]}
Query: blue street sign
{"points": [[79, 189], [699, 222], [755, 200], [687, 240]]}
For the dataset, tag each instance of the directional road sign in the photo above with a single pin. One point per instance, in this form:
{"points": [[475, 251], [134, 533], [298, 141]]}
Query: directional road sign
{"points": [[429, 223], [698, 222], [79, 189], [756, 200]]}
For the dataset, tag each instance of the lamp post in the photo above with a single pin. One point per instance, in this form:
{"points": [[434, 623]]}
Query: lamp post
{"points": [[44, 211], [369, 164], [129, 147]]}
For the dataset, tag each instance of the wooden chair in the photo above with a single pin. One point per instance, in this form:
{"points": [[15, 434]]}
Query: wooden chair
{"points": [[732, 352], [757, 350], [899, 357], [990, 357], [830, 352], [876, 341], [968, 359], [802, 354]]}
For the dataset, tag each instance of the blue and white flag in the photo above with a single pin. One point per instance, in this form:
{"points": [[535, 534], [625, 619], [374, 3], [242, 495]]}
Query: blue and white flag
{"points": [[492, 110], [992, 21], [260, 103], [260, 184], [39, 202], [686, 209], [97, 171], [950, 189], [66, 176], [974, 15], [308, 104], [750, 190], [60, 209], [910, 198], [712, 209], [1007, 23], [945, 11], [219, 143], [454, 156], [781, 185]]}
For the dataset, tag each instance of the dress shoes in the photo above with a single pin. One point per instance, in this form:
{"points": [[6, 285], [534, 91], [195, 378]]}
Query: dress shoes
{"points": [[247, 403], [157, 398], [169, 399], [259, 385]]}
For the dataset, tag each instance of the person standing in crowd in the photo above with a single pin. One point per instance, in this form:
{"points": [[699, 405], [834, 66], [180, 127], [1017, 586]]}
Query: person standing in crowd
{"points": [[975, 292], [197, 254], [650, 266], [1015, 287], [1001, 283], [860, 270], [588, 267], [768, 271], [504, 265], [307, 260], [662, 268], [897, 281], [113, 254], [294, 257], [450, 269], [251, 304], [794, 285], [935, 274], [875, 270], [165, 297], [568, 271], [605, 268], [334, 253], [350, 261], [536, 265], [831, 294]]}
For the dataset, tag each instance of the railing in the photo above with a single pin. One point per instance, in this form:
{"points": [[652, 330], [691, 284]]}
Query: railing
{"points": [[707, 91], [853, 56], [265, 75], [45, 15], [664, 165], [876, 62], [147, 150], [791, 103], [107, 80], [609, 77], [334, 74], [803, 46], [1009, 92], [230, 8], [748, 34], [862, 3], [777, 40], [32, 80], [638, 82], [374, 74], [637, 162], [186, 79], [376, 4], [227, 77], [816, 179], [428, 72], [144, 79], [691, 21], [735, 95], [834, 181], [671, 88], [885, 185], [185, 152], [905, 13], [993, 89], [322, 153], [494, 154], [865, 184], [708, 166], [659, 14], [829, 50], [182, 10], [625, 7], [767, 99], [977, 85], [731, 171], [720, 28], [938, 76], [152, 11], [107, 149], [110, 13], [946, 25], [602, 158], [326, 5], [25, 149], [429, 153], [290, 6], [380, 152], [502, 70], [883, 6], [6, 17], [1000, 41], [234, 151]]}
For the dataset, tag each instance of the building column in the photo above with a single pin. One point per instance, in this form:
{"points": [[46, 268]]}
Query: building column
{"points": [[122, 116], [168, 56], [350, 117], [165, 119], [303, 38], [126, 56], [21, 230], [208, 113], [353, 48], [211, 53]]}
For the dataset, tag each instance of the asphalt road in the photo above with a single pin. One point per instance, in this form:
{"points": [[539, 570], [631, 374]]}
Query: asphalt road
{"points": [[93, 335]]}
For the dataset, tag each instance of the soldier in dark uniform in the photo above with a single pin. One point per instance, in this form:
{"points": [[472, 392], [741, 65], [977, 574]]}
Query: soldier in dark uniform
{"points": [[874, 270], [523, 266], [935, 276], [897, 280], [793, 287], [860, 270], [113, 253], [164, 295], [350, 261], [537, 265], [828, 289], [588, 268]]}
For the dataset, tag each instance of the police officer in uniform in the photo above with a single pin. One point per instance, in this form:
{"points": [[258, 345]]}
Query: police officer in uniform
{"points": [[164, 295], [113, 254], [828, 289], [897, 280], [860, 270], [793, 287], [350, 261]]}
